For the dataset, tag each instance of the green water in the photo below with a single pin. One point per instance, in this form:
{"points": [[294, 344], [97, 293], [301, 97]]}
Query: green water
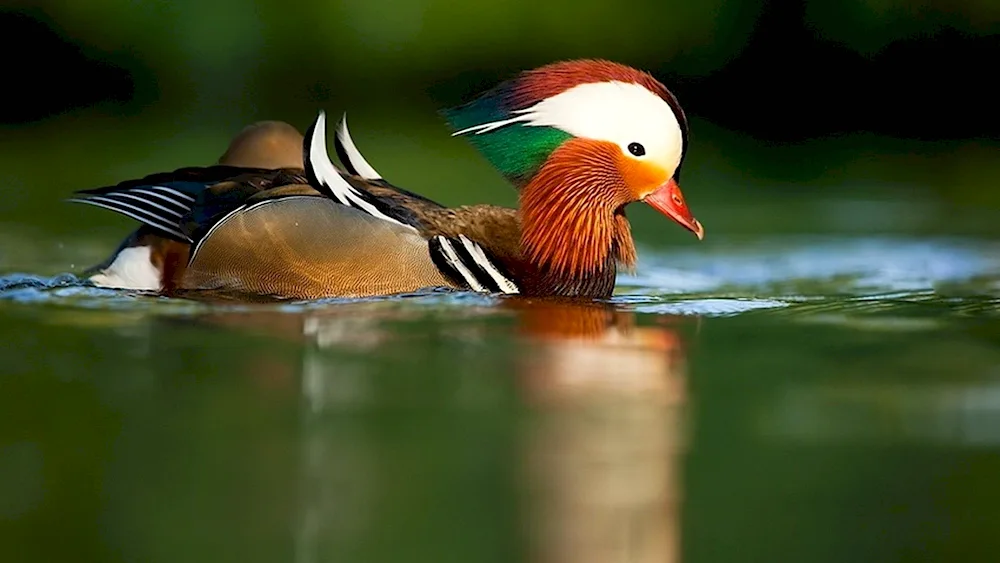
{"points": [[715, 411], [818, 381]]}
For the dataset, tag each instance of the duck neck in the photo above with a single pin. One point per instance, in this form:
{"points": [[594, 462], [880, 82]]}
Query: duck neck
{"points": [[573, 236]]}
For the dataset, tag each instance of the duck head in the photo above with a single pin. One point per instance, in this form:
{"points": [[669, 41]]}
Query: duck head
{"points": [[581, 140]]}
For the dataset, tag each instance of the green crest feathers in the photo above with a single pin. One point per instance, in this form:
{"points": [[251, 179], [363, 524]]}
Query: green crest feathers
{"points": [[516, 149]]}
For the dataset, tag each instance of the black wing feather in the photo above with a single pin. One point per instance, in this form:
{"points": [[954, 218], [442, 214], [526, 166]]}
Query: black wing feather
{"points": [[165, 201]]}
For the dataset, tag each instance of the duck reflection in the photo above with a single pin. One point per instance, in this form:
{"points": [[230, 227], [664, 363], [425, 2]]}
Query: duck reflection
{"points": [[599, 453], [602, 454]]}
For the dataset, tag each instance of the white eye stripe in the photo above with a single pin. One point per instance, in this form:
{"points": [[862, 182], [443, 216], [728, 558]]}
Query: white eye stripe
{"points": [[493, 125]]}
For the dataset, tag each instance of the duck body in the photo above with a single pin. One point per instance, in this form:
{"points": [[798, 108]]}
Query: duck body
{"points": [[275, 218]]}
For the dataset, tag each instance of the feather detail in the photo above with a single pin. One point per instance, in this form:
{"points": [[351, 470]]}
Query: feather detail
{"points": [[329, 181], [533, 86], [220, 221], [164, 200], [571, 221], [162, 207], [467, 263], [623, 248], [496, 129], [349, 154], [509, 126]]}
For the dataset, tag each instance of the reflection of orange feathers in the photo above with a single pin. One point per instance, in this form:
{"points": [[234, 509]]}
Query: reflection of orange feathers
{"points": [[595, 350], [603, 456], [553, 320]]}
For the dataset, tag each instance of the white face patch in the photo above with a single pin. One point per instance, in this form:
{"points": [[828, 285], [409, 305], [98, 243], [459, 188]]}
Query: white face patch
{"points": [[620, 112]]}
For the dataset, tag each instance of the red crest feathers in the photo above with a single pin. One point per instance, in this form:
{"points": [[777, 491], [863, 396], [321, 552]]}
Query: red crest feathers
{"points": [[535, 85]]}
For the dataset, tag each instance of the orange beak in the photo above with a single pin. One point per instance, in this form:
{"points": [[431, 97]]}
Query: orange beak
{"points": [[669, 200]]}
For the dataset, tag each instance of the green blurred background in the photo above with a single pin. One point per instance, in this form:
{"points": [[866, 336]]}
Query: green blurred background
{"points": [[856, 421], [799, 109]]}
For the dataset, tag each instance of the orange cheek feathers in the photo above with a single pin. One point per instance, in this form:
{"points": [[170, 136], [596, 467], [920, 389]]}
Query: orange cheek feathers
{"points": [[641, 178], [567, 209]]}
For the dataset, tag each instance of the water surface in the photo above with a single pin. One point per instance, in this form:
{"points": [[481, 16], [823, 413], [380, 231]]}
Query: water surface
{"points": [[813, 399]]}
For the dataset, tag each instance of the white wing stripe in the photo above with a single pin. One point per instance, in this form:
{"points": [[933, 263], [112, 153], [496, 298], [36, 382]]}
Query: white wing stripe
{"points": [[358, 161], [369, 208], [177, 193], [328, 175], [320, 160], [479, 256], [183, 205], [453, 259], [122, 204], [173, 212], [117, 207]]}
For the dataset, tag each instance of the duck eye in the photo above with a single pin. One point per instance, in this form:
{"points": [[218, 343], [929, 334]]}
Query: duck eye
{"points": [[636, 149]]}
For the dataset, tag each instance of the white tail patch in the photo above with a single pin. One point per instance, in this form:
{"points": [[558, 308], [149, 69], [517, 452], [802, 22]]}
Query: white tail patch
{"points": [[354, 157], [131, 269]]}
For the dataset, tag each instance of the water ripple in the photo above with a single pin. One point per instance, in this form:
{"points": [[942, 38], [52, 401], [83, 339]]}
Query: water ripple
{"points": [[823, 279], [820, 266]]}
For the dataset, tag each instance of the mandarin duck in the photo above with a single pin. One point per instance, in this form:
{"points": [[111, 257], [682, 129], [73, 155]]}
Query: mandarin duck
{"points": [[275, 218]]}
